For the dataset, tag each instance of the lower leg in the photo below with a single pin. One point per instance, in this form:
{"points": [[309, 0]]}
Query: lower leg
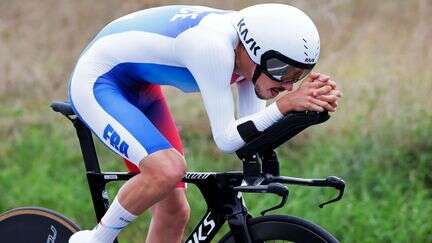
{"points": [[169, 218], [161, 171]]}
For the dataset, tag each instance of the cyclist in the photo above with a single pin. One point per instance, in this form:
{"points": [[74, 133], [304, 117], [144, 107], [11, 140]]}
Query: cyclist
{"points": [[115, 89]]}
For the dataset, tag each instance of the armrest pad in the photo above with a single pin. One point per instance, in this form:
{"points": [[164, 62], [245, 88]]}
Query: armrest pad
{"points": [[282, 131]]}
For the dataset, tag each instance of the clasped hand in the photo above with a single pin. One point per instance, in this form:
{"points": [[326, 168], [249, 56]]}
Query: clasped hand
{"points": [[316, 93]]}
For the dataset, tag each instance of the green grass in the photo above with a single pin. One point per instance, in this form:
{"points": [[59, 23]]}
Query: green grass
{"points": [[388, 182]]}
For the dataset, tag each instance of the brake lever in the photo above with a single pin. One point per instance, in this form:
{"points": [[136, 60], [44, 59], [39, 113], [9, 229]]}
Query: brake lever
{"points": [[280, 190], [274, 188], [337, 183]]}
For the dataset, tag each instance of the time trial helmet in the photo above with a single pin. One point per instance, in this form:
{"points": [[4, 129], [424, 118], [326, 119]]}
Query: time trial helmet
{"points": [[281, 39]]}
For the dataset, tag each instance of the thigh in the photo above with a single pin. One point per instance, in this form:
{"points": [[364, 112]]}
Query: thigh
{"points": [[118, 123], [152, 102], [159, 113]]}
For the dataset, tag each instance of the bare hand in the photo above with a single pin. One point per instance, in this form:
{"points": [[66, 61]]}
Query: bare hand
{"points": [[316, 93], [331, 98]]}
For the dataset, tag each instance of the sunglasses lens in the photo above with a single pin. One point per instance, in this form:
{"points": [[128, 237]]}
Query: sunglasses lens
{"points": [[284, 72]]}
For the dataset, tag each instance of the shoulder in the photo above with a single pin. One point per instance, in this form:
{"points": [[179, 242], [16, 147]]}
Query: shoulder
{"points": [[206, 54], [214, 30]]}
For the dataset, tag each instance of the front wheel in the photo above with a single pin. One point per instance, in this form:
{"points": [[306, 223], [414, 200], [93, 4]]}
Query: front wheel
{"points": [[33, 224], [281, 228]]}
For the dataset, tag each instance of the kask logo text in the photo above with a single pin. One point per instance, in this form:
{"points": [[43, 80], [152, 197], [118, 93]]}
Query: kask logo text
{"points": [[244, 33]]}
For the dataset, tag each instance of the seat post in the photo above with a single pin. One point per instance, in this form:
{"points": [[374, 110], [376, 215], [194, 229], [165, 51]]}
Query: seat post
{"points": [[95, 178], [87, 146]]}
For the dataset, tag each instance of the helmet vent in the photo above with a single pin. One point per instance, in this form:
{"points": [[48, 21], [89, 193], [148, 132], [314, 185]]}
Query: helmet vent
{"points": [[309, 54], [305, 46]]}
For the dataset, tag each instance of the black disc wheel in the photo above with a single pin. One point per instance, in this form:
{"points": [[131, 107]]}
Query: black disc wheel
{"points": [[280, 228], [32, 224]]}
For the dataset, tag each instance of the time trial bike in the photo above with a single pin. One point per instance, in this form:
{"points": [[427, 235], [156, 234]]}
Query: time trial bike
{"points": [[222, 192]]}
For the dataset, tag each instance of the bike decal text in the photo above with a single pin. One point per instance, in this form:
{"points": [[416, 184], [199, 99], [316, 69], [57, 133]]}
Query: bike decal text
{"points": [[115, 140], [52, 237], [200, 235]]}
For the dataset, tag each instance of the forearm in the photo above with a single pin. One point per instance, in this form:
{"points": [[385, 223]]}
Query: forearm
{"points": [[230, 136]]}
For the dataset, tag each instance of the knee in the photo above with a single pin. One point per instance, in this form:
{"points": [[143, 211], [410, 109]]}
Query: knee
{"points": [[166, 168], [177, 167], [173, 168]]}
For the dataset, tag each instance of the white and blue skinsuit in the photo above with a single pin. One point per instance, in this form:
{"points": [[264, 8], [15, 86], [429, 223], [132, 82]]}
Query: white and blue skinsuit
{"points": [[115, 86]]}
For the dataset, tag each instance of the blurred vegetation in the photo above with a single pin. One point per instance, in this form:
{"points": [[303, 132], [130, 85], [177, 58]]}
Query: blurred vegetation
{"points": [[379, 141]]}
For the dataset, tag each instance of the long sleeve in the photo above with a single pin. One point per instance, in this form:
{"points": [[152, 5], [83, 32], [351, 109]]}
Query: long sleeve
{"points": [[247, 101], [210, 59]]}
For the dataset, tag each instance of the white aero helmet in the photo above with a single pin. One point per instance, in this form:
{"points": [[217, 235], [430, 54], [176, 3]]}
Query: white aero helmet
{"points": [[282, 40]]}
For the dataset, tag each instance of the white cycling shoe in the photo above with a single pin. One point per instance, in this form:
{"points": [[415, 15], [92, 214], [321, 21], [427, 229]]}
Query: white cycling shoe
{"points": [[84, 236]]}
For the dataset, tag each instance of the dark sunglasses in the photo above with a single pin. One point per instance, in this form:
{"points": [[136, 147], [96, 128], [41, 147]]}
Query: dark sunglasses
{"points": [[281, 68]]}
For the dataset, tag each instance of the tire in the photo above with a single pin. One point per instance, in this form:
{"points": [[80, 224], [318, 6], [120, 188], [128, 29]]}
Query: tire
{"points": [[286, 228], [33, 224]]}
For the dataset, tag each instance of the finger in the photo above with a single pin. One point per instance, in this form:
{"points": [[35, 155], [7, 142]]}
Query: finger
{"points": [[336, 93], [321, 103], [331, 83], [323, 78], [314, 107], [314, 75], [311, 77], [334, 104], [317, 84], [321, 91], [328, 98], [334, 107]]}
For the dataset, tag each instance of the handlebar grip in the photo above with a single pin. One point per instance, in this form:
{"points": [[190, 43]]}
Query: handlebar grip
{"points": [[275, 188], [278, 189], [335, 182]]}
